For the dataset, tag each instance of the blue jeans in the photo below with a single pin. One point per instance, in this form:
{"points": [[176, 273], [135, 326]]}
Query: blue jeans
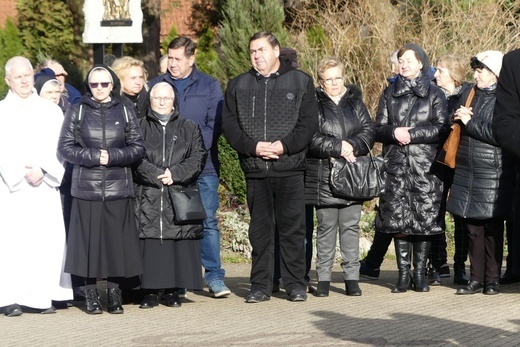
{"points": [[210, 244]]}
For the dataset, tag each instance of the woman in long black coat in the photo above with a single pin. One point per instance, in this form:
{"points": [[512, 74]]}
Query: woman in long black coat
{"points": [[483, 182], [175, 156], [410, 117]]}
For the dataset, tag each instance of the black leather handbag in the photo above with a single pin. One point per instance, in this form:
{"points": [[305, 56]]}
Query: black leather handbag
{"points": [[362, 180], [186, 200], [187, 204]]}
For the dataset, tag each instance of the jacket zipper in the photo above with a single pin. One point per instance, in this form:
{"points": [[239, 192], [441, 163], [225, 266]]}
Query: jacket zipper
{"points": [[265, 120], [104, 146], [162, 185]]}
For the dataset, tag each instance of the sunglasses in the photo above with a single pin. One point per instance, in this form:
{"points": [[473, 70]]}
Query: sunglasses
{"points": [[94, 85]]}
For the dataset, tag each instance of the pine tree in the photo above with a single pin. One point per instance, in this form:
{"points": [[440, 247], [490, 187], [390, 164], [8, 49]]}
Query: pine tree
{"points": [[45, 28], [243, 18]]}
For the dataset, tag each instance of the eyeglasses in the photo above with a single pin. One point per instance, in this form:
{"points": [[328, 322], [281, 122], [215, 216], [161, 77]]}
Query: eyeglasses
{"points": [[329, 81], [158, 98], [94, 85]]}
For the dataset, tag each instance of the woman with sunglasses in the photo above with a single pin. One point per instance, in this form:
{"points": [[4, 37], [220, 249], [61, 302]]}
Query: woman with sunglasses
{"points": [[346, 130], [101, 138]]}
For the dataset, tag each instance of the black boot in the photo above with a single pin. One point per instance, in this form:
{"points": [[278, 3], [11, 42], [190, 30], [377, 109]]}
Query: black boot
{"points": [[323, 288], [352, 288], [434, 277], [92, 303], [403, 248], [459, 274], [421, 250], [115, 301]]}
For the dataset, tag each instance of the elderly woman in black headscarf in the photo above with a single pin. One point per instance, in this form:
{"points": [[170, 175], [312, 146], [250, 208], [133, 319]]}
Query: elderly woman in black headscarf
{"points": [[409, 119], [101, 138]]}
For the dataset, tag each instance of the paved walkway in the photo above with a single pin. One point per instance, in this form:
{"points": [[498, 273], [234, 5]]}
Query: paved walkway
{"points": [[378, 318]]}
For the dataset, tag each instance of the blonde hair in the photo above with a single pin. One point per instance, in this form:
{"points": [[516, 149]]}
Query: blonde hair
{"points": [[328, 63], [455, 65], [121, 65]]}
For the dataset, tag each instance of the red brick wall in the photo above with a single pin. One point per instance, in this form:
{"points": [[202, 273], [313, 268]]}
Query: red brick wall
{"points": [[7, 10], [175, 13]]}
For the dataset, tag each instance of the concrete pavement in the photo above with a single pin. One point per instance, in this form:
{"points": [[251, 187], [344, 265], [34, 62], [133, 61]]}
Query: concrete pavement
{"points": [[378, 318]]}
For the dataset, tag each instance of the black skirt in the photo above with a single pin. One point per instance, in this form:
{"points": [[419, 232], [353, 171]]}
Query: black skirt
{"points": [[103, 239], [172, 264]]}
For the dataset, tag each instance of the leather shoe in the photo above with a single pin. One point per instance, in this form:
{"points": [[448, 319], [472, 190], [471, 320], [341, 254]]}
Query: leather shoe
{"points": [[171, 299], [13, 310], [298, 295], [257, 296], [149, 301], [492, 288], [352, 288], [323, 289], [472, 288]]}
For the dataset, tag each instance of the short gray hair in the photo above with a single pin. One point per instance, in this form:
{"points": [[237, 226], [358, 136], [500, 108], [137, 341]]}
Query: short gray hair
{"points": [[16, 60]]}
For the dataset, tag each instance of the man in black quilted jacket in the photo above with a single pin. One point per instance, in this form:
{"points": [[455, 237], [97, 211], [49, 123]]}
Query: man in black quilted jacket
{"points": [[270, 114]]}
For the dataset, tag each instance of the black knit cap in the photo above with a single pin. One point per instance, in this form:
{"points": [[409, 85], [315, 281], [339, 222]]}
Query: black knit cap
{"points": [[423, 57]]}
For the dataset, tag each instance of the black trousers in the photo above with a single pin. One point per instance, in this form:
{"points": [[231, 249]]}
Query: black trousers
{"points": [[277, 204], [461, 239], [309, 232], [486, 240], [378, 249]]}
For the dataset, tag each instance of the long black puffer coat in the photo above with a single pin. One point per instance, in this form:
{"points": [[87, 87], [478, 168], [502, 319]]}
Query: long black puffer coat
{"points": [[107, 126], [326, 143], [412, 198], [179, 146], [483, 183]]}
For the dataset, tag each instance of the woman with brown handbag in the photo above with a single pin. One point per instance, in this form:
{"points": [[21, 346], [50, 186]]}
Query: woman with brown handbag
{"points": [[484, 177]]}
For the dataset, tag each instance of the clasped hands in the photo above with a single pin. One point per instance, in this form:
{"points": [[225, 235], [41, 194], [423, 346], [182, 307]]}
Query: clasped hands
{"points": [[103, 158], [347, 152], [463, 114], [402, 135], [166, 177], [35, 175], [269, 150]]}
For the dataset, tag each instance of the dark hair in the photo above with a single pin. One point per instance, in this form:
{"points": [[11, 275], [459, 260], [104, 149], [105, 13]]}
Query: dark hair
{"points": [[477, 64], [273, 41], [419, 54], [189, 45]]}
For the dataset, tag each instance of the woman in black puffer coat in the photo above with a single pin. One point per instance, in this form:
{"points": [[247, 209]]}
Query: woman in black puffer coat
{"points": [[483, 182], [346, 130], [175, 155], [101, 138], [410, 117]]}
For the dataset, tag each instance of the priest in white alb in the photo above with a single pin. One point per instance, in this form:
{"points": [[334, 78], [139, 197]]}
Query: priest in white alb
{"points": [[32, 233]]}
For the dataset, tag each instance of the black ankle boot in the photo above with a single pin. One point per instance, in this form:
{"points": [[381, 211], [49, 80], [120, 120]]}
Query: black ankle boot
{"points": [[115, 301], [421, 250], [403, 248], [323, 288], [352, 288], [92, 303]]}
